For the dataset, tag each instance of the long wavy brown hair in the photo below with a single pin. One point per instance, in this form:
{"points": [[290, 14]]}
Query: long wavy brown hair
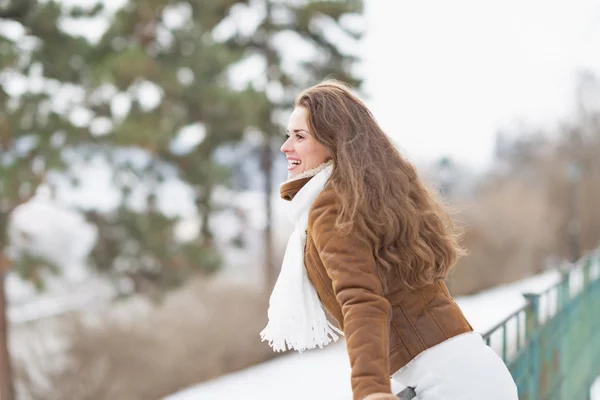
{"points": [[379, 192]]}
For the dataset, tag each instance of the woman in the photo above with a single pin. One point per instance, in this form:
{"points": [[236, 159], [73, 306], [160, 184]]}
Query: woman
{"points": [[371, 248]]}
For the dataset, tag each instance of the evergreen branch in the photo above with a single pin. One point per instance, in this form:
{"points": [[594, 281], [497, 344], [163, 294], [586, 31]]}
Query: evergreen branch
{"points": [[18, 11], [81, 12]]}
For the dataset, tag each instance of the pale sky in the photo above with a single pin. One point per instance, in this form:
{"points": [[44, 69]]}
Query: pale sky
{"points": [[444, 76]]}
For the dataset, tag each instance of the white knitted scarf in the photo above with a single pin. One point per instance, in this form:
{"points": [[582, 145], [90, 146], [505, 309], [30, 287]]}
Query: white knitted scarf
{"points": [[296, 316]]}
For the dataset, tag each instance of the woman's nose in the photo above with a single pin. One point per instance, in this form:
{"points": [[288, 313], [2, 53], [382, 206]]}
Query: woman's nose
{"points": [[286, 146]]}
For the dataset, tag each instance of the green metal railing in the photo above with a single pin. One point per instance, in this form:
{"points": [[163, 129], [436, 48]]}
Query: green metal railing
{"points": [[552, 344]]}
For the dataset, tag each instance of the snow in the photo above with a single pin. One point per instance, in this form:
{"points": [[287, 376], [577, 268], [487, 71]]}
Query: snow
{"points": [[93, 292], [64, 237], [328, 371], [595, 390]]}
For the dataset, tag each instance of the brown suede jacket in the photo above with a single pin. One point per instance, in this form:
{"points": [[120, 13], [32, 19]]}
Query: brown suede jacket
{"points": [[383, 331]]}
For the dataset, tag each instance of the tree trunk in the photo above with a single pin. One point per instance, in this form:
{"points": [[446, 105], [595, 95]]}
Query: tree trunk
{"points": [[6, 382], [267, 164], [267, 167], [205, 207]]}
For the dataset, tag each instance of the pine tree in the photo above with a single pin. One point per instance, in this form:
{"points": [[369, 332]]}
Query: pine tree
{"points": [[49, 76], [168, 48], [37, 63]]}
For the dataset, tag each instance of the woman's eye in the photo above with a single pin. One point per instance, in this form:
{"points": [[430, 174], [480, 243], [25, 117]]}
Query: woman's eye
{"points": [[299, 137]]}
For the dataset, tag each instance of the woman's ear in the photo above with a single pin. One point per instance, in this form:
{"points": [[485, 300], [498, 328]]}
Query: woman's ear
{"points": [[329, 155]]}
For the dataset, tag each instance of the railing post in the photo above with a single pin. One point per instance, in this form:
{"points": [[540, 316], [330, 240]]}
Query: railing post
{"points": [[564, 313], [595, 305], [587, 266], [532, 335], [564, 294], [587, 320]]}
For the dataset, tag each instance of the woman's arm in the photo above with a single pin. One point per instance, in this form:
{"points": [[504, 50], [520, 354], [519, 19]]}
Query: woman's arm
{"points": [[349, 263]]}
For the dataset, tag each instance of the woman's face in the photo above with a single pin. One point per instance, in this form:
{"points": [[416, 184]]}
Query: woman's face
{"points": [[301, 148]]}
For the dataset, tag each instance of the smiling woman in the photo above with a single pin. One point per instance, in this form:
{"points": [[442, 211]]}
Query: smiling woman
{"points": [[370, 251], [303, 151]]}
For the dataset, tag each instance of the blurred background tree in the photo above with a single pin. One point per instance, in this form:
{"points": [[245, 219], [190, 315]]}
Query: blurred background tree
{"points": [[158, 58], [58, 113], [37, 65]]}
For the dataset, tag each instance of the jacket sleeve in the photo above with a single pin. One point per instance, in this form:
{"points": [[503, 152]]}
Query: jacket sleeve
{"points": [[350, 264]]}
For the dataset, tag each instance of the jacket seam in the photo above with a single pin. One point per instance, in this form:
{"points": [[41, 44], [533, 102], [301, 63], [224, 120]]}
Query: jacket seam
{"points": [[402, 344], [412, 328], [431, 315], [323, 285]]}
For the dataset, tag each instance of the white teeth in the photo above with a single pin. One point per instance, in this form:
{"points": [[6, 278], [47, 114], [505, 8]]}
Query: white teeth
{"points": [[294, 162]]}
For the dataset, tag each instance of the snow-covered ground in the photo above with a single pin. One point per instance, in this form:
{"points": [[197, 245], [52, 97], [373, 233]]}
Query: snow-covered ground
{"points": [[324, 374]]}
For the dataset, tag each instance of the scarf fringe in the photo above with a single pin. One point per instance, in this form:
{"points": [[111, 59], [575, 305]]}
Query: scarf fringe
{"points": [[281, 343]]}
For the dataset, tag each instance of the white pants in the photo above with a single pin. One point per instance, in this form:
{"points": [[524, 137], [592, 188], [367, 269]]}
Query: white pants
{"points": [[460, 368]]}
